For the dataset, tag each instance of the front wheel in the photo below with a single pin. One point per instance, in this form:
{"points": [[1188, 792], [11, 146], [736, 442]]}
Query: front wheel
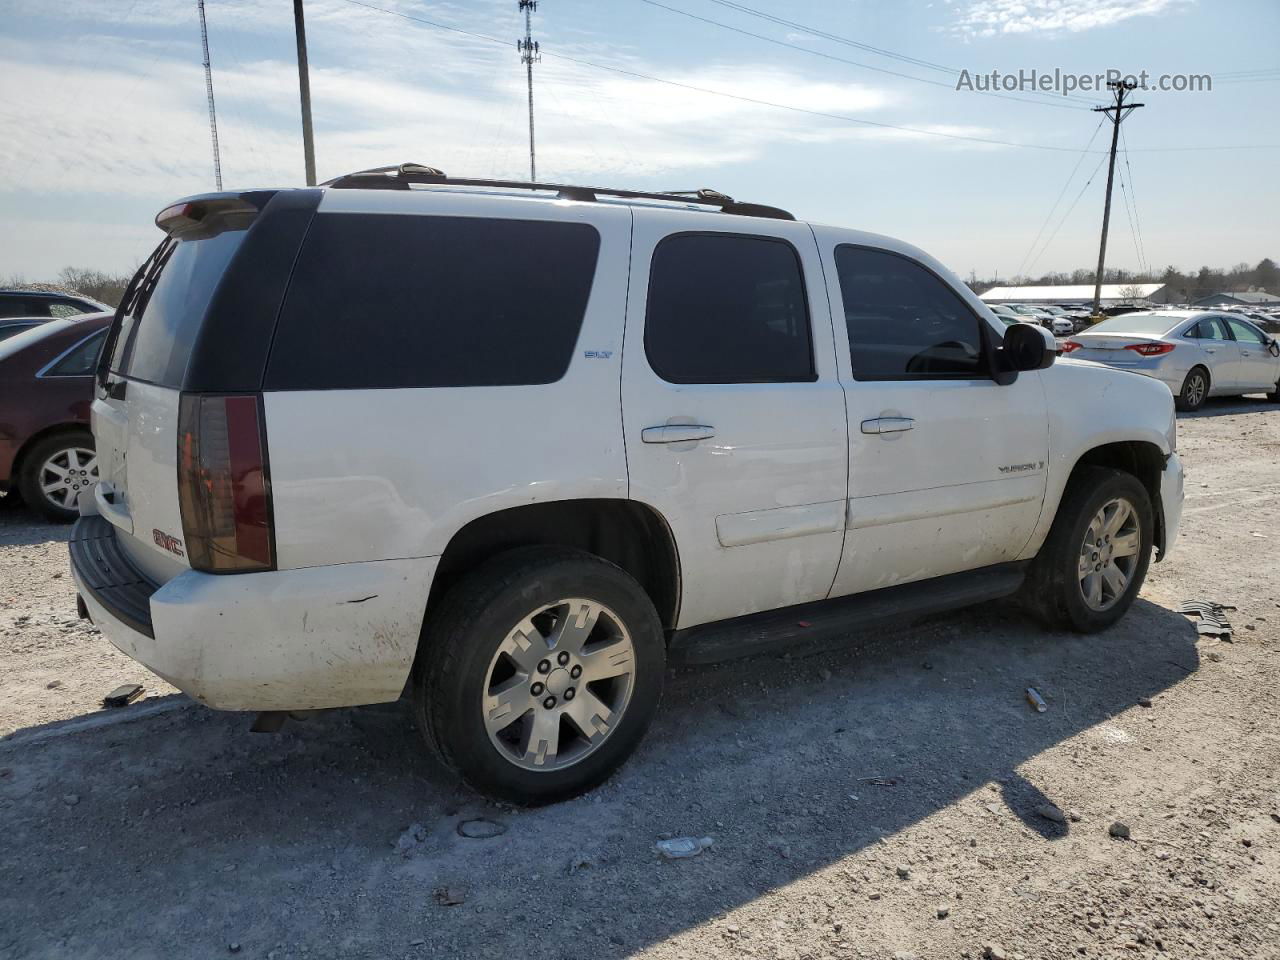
{"points": [[539, 674], [1094, 561], [1274, 395]]}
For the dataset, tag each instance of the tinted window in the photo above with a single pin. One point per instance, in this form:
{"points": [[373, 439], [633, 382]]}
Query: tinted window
{"points": [[13, 307], [1210, 328], [82, 360], [903, 321], [1245, 333], [13, 328], [163, 313], [413, 301], [727, 309]]}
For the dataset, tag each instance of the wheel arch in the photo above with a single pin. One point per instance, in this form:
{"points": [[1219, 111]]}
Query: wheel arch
{"points": [[1140, 458], [628, 533]]}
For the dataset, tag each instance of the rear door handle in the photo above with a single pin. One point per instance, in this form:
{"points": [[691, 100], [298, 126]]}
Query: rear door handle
{"points": [[888, 425], [677, 432], [1210, 349]]}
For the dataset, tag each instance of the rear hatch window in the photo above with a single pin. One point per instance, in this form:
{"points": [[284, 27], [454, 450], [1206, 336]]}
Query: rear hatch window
{"points": [[161, 316]]}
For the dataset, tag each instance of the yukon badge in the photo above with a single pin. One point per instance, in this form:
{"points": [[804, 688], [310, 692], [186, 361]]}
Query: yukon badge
{"points": [[167, 542], [1022, 467]]}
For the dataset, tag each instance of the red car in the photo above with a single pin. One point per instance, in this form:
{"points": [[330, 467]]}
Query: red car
{"points": [[46, 387]]}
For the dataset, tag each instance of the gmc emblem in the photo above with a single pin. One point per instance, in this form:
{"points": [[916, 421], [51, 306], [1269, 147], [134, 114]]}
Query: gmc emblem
{"points": [[166, 542]]}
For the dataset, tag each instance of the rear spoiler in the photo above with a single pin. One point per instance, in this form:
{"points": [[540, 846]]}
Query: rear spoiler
{"points": [[191, 213]]}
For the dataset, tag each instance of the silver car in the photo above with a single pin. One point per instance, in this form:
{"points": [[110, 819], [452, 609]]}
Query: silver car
{"points": [[1197, 353]]}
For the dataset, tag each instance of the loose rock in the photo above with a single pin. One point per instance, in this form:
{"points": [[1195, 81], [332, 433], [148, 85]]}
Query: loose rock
{"points": [[1050, 812], [1119, 830]]}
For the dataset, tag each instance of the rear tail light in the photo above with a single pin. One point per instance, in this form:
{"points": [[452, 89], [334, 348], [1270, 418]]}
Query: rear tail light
{"points": [[224, 489], [1071, 345], [1150, 349]]}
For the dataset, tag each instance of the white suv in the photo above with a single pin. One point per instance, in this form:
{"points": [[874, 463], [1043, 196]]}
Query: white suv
{"points": [[514, 448]]}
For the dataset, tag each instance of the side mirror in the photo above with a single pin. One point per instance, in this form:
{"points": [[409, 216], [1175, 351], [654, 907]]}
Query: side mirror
{"points": [[1028, 348]]}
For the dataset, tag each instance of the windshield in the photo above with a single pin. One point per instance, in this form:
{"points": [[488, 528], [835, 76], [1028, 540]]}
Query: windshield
{"points": [[1145, 324]]}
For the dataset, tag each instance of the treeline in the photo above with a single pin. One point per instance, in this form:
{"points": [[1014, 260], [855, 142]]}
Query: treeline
{"points": [[1265, 276], [106, 288]]}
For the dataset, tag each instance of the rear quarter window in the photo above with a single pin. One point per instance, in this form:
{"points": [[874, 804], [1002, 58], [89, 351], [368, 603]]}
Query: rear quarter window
{"points": [[387, 300]]}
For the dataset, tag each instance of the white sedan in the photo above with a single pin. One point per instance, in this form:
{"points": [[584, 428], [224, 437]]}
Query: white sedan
{"points": [[1198, 353]]}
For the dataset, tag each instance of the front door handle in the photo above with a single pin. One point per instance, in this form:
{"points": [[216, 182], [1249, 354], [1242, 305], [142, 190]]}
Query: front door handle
{"points": [[1210, 350], [888, 425], [677, 433]]}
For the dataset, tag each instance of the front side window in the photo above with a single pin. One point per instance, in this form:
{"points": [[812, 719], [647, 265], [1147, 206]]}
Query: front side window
{"points": [[725, 308], [1245, 333], [81, 360], [904, 322]]}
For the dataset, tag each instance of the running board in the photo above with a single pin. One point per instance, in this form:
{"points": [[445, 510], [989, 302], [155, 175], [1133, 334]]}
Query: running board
{"points": [[843, 616]]}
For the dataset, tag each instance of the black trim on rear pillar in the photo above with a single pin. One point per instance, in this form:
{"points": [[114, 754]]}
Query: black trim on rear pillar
{"points": [[230, 352], [108, 577]]}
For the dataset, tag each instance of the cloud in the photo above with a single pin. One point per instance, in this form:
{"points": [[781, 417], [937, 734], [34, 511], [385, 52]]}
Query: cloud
{"points": [[986, 18]]}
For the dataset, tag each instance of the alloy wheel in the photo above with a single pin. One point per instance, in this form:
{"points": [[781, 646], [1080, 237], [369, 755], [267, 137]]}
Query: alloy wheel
{"points": [[1109, 554], [67, 474], [558, 684], [1195, 389]]}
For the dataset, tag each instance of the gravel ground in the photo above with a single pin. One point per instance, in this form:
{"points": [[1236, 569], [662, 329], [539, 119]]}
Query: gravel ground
{"points": [[879, 800]]}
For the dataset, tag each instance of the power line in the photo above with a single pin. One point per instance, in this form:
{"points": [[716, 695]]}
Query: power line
{"points": [[853, 63], [1133, 193], [783, 106], [1133, 231], [1061, 193], [1067, 214], [835, 37]]}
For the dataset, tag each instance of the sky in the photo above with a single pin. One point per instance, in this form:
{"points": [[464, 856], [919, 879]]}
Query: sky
{"points": [[847, 114]]}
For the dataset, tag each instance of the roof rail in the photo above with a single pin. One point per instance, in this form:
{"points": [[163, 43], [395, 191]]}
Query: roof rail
{"points": [[404, 175]]}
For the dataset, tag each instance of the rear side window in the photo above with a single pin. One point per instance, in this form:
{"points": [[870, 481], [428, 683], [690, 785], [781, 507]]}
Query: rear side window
{"points": [[727, 309], [14, 307], [81, 360], [387, 300], [164, 310], [904, 322]]}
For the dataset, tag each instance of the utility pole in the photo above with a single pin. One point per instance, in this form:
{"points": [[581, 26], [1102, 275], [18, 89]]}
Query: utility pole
{"points": [[304, 90], [208, 86], [528, 48], [1117, 112]]}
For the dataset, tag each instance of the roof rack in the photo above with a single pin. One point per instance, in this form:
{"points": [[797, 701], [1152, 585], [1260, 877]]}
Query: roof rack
{"points": [[404, 175]]}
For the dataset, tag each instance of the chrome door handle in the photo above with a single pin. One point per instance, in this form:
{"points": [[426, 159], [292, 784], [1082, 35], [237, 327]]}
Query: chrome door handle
{"points": [[1245, 353], [888, 425], [1210, 349], [677, 432]]}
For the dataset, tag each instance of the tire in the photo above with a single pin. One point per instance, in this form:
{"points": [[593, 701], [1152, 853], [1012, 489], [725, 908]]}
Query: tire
{"points": [[1057, 584], [1274, 395], [473, 650], [68, 455], [1195, 389]]}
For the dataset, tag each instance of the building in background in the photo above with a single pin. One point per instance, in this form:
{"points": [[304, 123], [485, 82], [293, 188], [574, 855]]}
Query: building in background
{"points": [[1254, 298], [1112, 293]]}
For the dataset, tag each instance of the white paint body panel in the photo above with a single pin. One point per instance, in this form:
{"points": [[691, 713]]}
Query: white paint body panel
{"points": [[330, 636], [933, 500], [755, 509], [782, 505]]}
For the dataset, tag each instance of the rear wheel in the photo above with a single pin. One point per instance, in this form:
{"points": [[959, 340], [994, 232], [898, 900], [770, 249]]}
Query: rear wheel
{"points": [[1094, 561], [1195, 388], [56, 472], [539, 674]]}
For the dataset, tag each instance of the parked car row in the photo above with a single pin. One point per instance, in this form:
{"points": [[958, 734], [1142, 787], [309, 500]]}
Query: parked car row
{"points": [[1196, 353], [1061, 320]]}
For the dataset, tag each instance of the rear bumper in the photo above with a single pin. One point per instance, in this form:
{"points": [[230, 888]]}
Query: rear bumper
{"points": [[331, 636], [1171, 495]]}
